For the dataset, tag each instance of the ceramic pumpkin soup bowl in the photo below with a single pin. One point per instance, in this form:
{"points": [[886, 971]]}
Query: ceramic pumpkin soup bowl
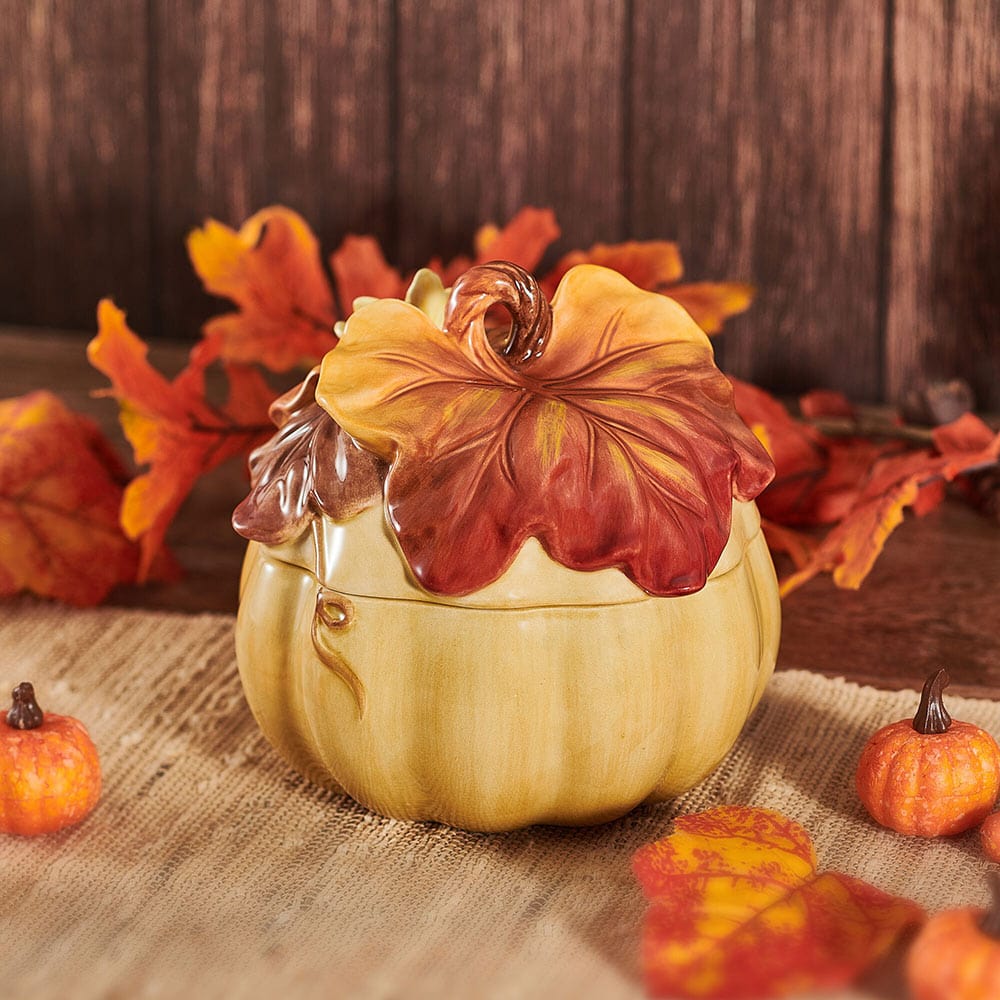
{"points": [[508, 573]]}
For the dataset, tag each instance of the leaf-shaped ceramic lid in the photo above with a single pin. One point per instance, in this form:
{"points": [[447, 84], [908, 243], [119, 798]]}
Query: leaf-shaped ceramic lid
{"points": [[598, 425]]}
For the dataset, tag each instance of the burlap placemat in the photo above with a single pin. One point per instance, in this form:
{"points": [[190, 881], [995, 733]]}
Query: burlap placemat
{"points": [[210, 870]]}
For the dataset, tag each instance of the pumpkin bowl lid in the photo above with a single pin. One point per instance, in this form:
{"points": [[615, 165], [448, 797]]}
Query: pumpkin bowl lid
{"points": [[594, 432], [361, 558]]}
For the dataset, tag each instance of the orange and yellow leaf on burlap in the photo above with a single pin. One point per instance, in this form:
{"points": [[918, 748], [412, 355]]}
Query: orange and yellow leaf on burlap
{"points": [[739, 910], [171, 426], [60, 493], [614, 443]]}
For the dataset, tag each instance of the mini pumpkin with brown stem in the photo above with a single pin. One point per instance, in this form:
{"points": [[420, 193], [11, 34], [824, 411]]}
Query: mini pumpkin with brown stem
{"points": [[956, 956], [931, 776], [50, 776]]}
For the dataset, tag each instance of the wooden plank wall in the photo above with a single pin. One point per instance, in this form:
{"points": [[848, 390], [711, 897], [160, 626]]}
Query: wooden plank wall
{"points": [[842, 156]]}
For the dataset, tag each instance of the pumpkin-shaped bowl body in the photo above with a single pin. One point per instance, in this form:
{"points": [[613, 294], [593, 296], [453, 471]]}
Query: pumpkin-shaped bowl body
{"points": [[550, 696]]}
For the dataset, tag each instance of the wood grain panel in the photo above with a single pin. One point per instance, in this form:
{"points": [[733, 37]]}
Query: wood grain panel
{"points": [[267, 102], [502, 105], [944, 304], [74, 198], [329, 115], [756, 143], [209, 141]]}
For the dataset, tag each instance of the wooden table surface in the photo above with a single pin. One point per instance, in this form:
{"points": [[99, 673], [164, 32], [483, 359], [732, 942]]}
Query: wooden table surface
{"points": [[932, 600]]}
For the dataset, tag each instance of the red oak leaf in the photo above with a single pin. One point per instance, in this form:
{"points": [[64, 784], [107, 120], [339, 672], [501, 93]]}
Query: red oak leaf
{"points": [[602, 428], [739, 910], [171, 426], [910, 480], [272, 270], [60, 493]]}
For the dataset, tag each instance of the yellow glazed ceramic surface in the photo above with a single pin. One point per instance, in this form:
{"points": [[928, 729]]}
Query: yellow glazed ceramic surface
{"points": [[502, 583], [500, 710]]}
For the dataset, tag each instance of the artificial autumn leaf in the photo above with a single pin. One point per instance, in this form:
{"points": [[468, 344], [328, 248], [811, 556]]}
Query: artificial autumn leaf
{"points": [[738, 910], [656, 265], [649, 264], [605, 431], [850, 549], [797, 545], [825, 403], [60, 492], [271, 269], [171, 426], [360, 269], [523, 241], [711, 303]]}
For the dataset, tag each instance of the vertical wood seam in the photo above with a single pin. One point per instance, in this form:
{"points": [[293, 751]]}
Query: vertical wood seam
{"points": [[886, 195], [628, 108], [154, 283], [393, 127]]}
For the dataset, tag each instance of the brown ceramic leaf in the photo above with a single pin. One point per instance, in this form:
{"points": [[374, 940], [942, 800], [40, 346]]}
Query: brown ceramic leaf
{"points": [[171, 426], [271, 269], [60, 494], [607, 433], [739, 910], [309, 467]]}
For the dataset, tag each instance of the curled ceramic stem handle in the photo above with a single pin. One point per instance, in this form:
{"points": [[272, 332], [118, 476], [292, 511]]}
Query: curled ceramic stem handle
{"points": [[505, 284]]}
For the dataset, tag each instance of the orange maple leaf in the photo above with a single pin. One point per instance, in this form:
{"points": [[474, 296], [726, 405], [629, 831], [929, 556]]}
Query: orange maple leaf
{"points": [[360, 269], [738, 910], [171, 426], [603, 429], [60, 493], [271, 268]]}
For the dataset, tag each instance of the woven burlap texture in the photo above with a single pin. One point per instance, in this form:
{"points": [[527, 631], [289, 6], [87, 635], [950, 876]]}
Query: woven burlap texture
{"points": [[209, 869]]}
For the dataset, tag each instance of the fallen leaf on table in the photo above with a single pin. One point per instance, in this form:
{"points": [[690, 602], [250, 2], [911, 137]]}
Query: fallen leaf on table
{"points": [[739, 910], [171, 426], [893, 483], [60, 493], [271, 268]]}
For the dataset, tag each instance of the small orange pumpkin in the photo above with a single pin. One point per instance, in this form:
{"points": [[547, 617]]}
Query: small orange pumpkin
{"points": [[931, 776], [956, 955], [989, 835], [50, 775]]}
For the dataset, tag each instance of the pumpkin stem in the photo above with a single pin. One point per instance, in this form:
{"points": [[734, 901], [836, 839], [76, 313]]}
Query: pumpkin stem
{"points": [[24, 711], [932, 717], [990, 924]]}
